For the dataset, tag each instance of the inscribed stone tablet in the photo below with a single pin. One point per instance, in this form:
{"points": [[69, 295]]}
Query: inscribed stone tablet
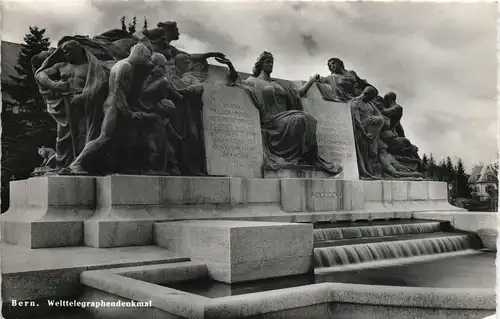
{"points": [[334, 132], [233, 139]]}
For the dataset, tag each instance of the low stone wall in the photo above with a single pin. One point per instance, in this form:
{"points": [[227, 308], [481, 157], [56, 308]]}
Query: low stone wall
{"points": [[323, 300]]}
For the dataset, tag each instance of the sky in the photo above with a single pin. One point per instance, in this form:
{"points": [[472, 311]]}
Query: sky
{"points": [[439, 58]]}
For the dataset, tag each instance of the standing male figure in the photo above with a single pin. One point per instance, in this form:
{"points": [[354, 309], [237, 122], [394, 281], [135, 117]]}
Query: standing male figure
{"points": [[126, 83]]}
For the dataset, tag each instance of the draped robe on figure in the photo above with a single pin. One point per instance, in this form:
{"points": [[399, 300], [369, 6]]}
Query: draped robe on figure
{"points": [[76, 126], [288, 133], [187, 124]]}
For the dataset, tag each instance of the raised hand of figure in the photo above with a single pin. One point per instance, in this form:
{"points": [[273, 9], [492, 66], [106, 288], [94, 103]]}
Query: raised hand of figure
{"points": [[217, 55], [316, 77], [174, 91], [223, 60]]}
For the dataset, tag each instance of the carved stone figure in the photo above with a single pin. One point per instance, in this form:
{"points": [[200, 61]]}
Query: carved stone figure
{"points": [[288, 133], [368, 122], [394, 137], [394, 112], [74, 85], [49, 157], [341, 85], [126, 81], [157, 110], [168, 31], [187, 119], [391, 167]]}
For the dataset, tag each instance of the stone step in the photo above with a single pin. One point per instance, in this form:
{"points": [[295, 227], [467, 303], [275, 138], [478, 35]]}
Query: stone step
{"points": [[405, 237], [371, 230], [348, 254], [377, 222]]}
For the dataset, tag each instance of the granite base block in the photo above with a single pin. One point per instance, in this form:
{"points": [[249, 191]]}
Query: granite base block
{"points": [[48, 211], [44, 227], [118, 233], [237, 251]]}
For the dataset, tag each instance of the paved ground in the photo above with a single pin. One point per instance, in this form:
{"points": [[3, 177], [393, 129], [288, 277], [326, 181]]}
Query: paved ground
{"points": [[15, 259]]}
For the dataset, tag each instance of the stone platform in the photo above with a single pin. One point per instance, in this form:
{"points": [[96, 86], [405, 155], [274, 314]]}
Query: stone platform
{"points": [[120, 210], [236, 251]]}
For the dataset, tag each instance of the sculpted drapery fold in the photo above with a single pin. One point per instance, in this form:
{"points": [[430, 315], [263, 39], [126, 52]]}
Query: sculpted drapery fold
{"points": [[77, 111], [288, 133]]}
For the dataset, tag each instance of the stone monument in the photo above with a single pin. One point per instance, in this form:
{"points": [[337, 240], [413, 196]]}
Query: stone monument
{"points": [[207, 162]]}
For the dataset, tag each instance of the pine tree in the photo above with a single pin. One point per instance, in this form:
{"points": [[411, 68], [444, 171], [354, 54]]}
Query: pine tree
{"points": [[24, 89], [145, 26], [450, 170], [122, 20], [425, 163], [463, 189], [425, 160], [131, 26], [24, 131], [431, 168], [442, 171]]}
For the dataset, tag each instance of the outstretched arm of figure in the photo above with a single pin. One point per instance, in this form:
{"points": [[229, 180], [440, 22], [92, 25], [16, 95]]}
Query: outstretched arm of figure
{"points": [[204, 56], [162, 85], [232, 76], [305, 88], [43, 77], [391, 110]]}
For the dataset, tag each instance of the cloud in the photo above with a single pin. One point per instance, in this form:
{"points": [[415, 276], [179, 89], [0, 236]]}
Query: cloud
{"points": [[440, 58]]}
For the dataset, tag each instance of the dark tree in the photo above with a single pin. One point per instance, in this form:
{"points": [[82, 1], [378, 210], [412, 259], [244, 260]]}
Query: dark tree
{"points": [[431, 167], [23, 88], [450, 170], [425, 163], [441, 171], [131, 26], [463, 189], [31, 126], [122, 20], [145, 26]]}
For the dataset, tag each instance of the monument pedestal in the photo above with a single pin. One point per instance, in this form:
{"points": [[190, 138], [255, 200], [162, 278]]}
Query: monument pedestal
{"points": [[121, 210], [48, 211]]}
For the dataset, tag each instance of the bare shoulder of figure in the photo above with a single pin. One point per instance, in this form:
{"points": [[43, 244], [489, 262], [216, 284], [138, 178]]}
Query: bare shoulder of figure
{"points": [[55, 67], [351, 72]]}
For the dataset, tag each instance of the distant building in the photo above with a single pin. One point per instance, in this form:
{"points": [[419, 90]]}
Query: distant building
{"points": [[483, 180]]}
